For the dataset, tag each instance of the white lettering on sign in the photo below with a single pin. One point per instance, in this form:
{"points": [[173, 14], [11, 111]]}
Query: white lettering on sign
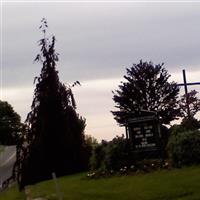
{"points": [[144, 139], [149, 135], [137, 129], [148, 127], [139, 136], [148, 131], [143, 145]]}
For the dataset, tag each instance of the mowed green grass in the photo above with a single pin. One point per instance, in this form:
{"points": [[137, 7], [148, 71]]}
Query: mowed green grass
{"points": [[176, 184], [1, 148]]}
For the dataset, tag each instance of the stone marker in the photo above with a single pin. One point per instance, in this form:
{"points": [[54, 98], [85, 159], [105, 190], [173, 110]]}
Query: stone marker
{"points": [[58, 192], [28, 193]]}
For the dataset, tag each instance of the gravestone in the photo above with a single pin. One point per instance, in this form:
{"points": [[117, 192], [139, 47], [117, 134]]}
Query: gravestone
{"points": [[143, 134]]}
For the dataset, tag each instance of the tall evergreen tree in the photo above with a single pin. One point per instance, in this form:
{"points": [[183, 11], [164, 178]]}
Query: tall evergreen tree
{"points": [[54, 137], [147, 88]]}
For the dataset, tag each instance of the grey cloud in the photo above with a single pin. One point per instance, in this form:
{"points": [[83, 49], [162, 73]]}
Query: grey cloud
{"points": [[98, 40]]}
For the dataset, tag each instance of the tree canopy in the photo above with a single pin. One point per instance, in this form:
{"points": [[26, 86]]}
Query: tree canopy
{"points": [[10, 124], [54, 137], [146, 87], [193, 101]]}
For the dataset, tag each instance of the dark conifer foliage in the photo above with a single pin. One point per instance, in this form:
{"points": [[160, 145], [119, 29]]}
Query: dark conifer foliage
{"points": [[146, 88], [54, 137]]}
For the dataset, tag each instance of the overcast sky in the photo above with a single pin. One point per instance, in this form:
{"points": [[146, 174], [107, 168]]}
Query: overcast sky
{"points": [[97, 41]]}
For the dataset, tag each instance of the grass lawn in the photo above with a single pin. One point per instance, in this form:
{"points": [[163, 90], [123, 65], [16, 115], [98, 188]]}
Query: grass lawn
{"points": [[176, 184], [1, 148]]}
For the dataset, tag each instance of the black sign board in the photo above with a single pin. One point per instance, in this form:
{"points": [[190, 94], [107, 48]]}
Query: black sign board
{"points": [[143, 132]]}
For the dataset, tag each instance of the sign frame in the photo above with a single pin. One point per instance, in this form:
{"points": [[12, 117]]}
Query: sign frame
{"points": [[143, 134]]}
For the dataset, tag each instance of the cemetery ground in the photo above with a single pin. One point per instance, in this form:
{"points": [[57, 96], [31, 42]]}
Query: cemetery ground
{"points": [[1, 148], [174, 184]]}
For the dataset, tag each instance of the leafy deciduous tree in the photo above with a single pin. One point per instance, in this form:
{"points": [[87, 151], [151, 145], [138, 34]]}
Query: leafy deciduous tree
{"points": [[193, 101], [147, 87], [10, 124]]}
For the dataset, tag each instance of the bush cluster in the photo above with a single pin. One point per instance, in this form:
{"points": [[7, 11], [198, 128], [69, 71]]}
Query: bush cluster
{"points": [[111, 155], [140, 167], [116, 158], [184, 148]]}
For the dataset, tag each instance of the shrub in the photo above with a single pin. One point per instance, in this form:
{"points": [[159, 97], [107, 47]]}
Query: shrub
{"points": [[117, 155], [98, 156], [89, 144], [111, 155], [184, 148], [190, 123], [187, 124]]}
